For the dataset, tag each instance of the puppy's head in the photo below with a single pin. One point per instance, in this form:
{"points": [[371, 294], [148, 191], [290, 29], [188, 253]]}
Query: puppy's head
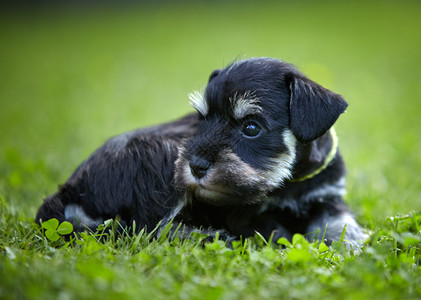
{"points": [[252, 116]]}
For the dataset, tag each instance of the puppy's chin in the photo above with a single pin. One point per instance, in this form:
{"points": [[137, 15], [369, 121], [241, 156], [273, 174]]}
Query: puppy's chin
{"points": [[211, 196], [219, 196]]}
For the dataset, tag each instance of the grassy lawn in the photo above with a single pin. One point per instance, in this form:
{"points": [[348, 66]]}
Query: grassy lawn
{"points": [[71, 78]]}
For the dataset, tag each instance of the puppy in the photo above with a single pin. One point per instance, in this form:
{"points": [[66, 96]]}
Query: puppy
{"points": [[260, 155]]}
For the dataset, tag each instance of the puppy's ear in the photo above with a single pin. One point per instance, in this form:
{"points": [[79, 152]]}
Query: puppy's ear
{"points": [[313, 109], [214, 74]]}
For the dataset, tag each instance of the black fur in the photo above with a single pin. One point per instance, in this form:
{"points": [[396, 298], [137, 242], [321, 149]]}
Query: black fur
{"points": [[130, 176], [236, 166]]}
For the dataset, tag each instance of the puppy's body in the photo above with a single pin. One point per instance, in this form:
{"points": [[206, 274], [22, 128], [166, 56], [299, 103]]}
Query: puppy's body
{"points": [[258, 156], [130, 176]]}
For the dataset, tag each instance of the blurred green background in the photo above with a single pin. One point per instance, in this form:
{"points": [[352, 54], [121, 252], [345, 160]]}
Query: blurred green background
{"points": [[70, 77]]}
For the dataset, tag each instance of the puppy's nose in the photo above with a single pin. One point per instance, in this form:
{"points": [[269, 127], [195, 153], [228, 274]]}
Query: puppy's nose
{"points": [[199, 167]]}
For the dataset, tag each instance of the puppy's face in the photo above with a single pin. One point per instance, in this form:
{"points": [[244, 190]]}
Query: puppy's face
{"points": [[245, 145]]}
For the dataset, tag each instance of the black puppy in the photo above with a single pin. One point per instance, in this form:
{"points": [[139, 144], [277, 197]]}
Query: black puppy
{"points": [[260, 155]]}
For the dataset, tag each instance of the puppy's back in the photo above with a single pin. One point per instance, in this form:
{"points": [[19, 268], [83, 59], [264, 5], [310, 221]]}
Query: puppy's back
{"points": [[130, 176]]}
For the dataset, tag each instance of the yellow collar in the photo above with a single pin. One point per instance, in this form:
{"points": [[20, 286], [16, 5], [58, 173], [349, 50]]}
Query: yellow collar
{"points": [[330, 156]]}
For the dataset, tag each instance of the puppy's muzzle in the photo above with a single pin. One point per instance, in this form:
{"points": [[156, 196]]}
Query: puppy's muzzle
{"points": [[199, 167]]}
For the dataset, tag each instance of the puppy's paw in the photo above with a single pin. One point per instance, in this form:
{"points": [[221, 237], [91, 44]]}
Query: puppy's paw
{"points": [[341, 227]]}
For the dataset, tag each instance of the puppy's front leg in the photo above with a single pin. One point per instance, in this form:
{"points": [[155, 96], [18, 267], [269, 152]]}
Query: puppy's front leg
{"points": [[332, 226], [175, 225]]}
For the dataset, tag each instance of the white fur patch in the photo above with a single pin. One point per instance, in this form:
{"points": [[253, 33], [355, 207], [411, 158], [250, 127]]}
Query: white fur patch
{"points": [[334, 226], [182, 168], [284, 163], [75, 213], [198, 102], [173, 214], [244, 105]]}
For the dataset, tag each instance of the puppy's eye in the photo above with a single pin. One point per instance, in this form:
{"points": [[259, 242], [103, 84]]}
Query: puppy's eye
{"points": [[251, 129]]}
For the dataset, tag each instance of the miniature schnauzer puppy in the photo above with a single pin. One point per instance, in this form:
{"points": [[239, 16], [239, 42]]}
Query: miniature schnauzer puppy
{"points": [[260, 155]]}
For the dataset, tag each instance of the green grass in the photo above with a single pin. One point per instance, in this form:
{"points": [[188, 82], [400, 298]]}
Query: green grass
{"points": [[71, 78]]}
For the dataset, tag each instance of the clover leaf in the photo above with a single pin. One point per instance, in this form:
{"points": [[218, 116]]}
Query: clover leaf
{"points": [[53, 230]]}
